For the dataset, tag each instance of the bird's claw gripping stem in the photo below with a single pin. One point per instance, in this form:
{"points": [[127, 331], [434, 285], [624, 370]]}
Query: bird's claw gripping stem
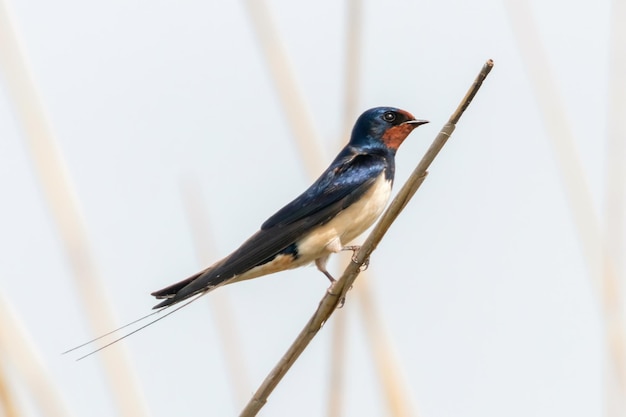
{"points": [[355, 249]]}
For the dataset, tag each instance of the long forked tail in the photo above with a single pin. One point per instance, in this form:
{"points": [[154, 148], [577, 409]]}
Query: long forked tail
{"points": [[171, 293], [172, 290], [202, 282]]}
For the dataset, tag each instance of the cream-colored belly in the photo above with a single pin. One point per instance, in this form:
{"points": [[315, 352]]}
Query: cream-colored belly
{"points": [[348, 224]]}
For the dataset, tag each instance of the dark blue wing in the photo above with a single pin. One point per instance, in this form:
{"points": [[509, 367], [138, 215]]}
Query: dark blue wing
{"points": [[345, 180]]}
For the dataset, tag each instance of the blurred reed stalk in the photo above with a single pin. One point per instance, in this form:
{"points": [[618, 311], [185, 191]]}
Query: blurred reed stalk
{"points": [[17, 349], [352, 75], [391, 378], [221, 307], [338, 290], [616, 139], [614, 191], [281, 73], [8, 406], [58, 194], [596, 250]]}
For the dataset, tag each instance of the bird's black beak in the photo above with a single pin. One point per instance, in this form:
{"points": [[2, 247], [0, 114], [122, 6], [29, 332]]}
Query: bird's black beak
{"points": [[416, 122]]}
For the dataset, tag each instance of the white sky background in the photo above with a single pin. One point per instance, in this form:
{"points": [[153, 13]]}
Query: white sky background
{"points": [[481, 281]]}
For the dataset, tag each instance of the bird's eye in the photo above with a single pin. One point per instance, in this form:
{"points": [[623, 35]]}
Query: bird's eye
{"points": [[389, 116]]}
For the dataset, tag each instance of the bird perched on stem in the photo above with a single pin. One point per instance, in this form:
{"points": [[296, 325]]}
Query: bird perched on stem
{"points": [[344, 201]]}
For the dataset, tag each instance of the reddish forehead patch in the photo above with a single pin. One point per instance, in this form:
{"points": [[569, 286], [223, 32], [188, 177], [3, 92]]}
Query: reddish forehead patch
{"points": [[395, 135]]}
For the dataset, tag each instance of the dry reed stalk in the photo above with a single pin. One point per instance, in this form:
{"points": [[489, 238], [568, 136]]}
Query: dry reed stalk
{"points": [[338, 290]]}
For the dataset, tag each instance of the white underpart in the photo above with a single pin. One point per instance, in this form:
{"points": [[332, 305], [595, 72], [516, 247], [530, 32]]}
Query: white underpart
{"points": [[348, 224]]}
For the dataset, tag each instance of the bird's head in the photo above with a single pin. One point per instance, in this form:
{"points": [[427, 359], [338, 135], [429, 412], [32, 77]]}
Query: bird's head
{"points": [[384, 125]]}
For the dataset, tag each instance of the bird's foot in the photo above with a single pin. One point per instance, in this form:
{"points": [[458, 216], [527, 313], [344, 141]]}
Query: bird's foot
{"points": [[355, 249], [333, 281], [342, 300]]}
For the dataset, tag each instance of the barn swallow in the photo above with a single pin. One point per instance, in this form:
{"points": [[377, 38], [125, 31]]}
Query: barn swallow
{"points": [[344, 201]]}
